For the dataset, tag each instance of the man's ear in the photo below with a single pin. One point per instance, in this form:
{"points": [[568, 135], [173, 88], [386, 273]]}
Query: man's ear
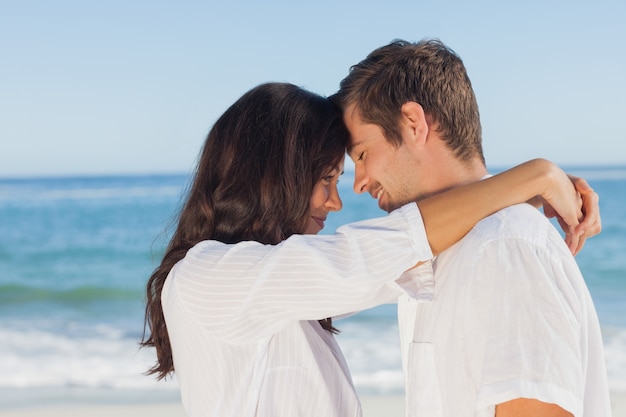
{"points": [[414, 121]]}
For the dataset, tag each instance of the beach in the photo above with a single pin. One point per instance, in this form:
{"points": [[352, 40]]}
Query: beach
{"points": [[373, 406], [76, 253]]}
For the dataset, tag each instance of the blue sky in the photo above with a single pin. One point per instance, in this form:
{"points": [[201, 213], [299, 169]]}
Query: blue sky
{"points": [[105, 87]]}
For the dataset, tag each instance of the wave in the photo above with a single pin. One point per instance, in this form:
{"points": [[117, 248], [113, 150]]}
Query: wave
{"points": [[590, 173], [94, 357], [8, 193], [608, 173], [615, 353], [91, 188], [36, 354], [21, 294]]}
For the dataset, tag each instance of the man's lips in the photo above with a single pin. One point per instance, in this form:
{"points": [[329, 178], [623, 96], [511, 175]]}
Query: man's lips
{"points": [[378, 195]]}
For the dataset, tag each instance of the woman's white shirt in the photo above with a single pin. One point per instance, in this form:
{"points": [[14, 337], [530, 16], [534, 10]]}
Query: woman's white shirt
{"points": [[242, 318]]}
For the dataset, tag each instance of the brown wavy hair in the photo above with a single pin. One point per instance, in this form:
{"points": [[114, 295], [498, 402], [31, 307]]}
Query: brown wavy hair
{"points": [[254, 180]]}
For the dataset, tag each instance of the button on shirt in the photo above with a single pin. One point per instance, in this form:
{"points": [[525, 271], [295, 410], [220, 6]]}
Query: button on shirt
{"points": [[510, 317], [242, 318]]}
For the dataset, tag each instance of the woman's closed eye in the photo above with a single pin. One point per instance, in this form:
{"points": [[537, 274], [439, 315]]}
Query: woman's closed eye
{"points": [[327, 179]]}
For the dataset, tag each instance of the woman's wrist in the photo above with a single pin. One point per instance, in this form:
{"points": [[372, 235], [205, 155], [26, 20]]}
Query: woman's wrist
{"points": [[550, 179]]}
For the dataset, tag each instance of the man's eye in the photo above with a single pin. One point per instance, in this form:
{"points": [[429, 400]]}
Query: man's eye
{"points": [[360, 158]]}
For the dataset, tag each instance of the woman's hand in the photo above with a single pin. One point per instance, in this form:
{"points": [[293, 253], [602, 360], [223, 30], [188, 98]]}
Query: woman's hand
{"points": [[589, 223]]}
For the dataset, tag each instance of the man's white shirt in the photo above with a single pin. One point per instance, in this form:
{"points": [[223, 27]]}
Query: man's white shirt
{"points": [[509, 316]]}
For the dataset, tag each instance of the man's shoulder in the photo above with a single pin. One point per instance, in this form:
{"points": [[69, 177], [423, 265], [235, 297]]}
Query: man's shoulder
{"points": [[515, 214], [521, 221]]}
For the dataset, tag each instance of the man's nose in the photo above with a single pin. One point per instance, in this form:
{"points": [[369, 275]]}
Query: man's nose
{"points": [[360, 180]]}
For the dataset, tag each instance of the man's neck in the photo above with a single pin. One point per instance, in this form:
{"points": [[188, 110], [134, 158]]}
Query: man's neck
{"points": [[456, 173]]}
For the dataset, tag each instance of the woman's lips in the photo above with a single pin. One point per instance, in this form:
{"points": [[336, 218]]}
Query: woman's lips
{"points": [[319, 220]]}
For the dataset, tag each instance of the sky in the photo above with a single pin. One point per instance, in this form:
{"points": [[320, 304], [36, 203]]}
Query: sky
{"points": [[132, 87]]}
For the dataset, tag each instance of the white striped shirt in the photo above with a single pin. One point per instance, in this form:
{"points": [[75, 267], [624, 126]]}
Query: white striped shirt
{"points": [[242, 318]]}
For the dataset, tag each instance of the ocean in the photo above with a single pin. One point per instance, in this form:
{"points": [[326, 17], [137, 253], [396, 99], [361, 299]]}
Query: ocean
{"points": [[75, 254]]}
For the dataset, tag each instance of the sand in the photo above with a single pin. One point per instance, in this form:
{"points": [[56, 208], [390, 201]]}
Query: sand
{"points": [[373, 406]]}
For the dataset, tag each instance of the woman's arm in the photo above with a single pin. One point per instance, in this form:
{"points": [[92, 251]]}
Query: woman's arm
{"points": [[448, 216]]}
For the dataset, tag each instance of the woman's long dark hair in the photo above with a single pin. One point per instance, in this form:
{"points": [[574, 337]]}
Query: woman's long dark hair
{"points": [[254, 180]]}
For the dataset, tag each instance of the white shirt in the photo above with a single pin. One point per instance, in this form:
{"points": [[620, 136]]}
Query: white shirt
{"points": [[510, 317], [242, 318]]}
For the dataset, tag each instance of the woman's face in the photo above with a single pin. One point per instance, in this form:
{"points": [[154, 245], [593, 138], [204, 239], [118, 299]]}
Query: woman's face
{"points": [[325, 198]]}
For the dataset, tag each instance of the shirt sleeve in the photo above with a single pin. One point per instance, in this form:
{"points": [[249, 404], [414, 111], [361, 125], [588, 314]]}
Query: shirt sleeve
{"points": [[245, 291], [533, 313]]}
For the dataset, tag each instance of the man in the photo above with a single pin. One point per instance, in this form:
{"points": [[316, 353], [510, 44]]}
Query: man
{"points": [[510, 328]]}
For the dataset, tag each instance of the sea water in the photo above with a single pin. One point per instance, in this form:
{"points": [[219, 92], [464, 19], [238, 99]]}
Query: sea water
{"points": [[75, 255]]}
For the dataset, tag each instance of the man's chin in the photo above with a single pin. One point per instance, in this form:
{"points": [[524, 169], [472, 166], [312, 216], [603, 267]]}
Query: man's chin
{"points": [[384, 207], [389, 207]]}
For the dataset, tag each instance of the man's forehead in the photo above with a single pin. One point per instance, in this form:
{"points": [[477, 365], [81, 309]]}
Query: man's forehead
{"points": [[354, 143], [352, 114]]}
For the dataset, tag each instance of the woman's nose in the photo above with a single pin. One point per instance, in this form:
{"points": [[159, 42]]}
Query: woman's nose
{"points": [[333, 203]]}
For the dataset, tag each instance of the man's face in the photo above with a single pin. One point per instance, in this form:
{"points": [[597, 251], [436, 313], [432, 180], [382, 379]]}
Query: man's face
{"points": [[387, 172]]}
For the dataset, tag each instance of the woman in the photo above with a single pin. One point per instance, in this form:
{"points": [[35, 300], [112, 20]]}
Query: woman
{"points": [[239, 305]]}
